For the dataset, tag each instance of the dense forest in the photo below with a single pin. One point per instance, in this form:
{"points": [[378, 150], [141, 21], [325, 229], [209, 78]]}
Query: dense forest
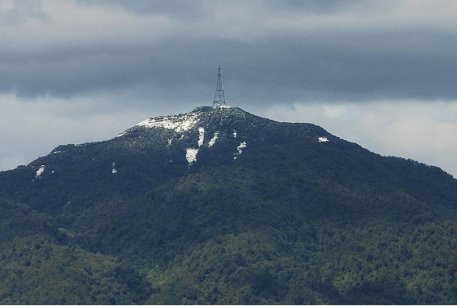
{"points": [[290, 220]]}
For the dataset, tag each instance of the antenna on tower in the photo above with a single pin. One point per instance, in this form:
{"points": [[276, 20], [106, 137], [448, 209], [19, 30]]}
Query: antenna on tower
{"points": [[219, 97]]}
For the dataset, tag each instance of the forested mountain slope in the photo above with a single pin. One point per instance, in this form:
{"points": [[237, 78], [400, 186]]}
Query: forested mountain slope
{"points": [[221, 206]]}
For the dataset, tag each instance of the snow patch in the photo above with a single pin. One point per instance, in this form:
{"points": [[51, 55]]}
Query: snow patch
{"points": [[223, 106], [40, 171], [178, 123], [322, 139], [191, 155], [213, 140], [240, 149], [201, 136], [113, 170]]}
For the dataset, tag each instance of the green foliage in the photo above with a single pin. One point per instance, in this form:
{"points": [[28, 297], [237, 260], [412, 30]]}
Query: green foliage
{"points": [[36, 270], [290, 221]]}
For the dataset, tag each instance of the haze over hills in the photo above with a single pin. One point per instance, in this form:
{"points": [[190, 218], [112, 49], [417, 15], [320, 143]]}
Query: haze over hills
{"points": [[221, 206]]}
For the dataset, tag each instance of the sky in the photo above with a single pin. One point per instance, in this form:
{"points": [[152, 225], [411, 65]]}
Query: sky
{"points": [[379, 73]]}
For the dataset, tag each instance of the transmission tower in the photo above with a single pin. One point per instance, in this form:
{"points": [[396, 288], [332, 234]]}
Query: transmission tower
{"points": [[219, 97]]}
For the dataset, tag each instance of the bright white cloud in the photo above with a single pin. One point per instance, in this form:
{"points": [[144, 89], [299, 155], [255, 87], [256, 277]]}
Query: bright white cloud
{"points": [[29, 129], [419, 130]]}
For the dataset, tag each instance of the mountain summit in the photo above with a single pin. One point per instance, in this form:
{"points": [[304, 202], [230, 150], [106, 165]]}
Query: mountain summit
{"points": [[221, 206], [219, 132]]}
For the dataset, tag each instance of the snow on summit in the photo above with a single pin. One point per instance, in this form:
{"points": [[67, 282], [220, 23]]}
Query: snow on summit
{"points": [[240, 149], [178, 123], [201, 136], [213, 140], [191, 155], [40, 171]]}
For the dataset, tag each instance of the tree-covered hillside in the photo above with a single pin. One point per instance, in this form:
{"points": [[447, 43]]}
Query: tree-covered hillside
{"points": [[219, 206]]}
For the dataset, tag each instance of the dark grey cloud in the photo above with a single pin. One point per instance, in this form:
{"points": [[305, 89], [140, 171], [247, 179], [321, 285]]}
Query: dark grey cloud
{"points": [[187, 9], [321, 7], [328, 66], [266, 60], [196, 8]]}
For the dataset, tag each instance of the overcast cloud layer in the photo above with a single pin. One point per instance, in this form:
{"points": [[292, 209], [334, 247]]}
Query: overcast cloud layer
{"points": [[75, 71]]}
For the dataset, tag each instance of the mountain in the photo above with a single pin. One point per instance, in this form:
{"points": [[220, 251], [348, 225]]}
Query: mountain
{"points": [[222, 206]]}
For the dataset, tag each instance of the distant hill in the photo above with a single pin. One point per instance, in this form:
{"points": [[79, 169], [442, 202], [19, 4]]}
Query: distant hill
{"points": [[220, 206]]}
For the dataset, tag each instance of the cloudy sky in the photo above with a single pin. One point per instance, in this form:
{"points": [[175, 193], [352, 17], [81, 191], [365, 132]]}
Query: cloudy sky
{"points": [[379, 73]]}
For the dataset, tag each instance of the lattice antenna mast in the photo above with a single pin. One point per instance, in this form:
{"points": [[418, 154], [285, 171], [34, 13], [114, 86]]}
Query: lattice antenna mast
{"points": [[219, 97]]}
